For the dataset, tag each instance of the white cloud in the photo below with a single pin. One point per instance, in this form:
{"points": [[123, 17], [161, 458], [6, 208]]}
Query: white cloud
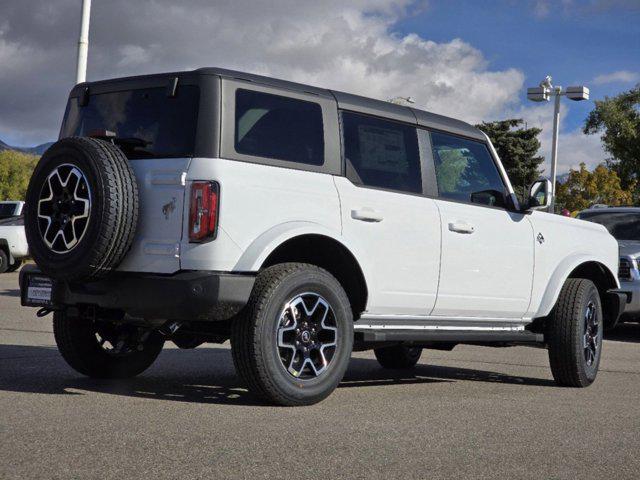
{"points": [[350, 46], [542, 8], [620, 76], [574, 147]]}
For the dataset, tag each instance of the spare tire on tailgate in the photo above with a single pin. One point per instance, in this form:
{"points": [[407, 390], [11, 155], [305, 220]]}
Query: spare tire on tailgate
{"points": [[81, 210]]}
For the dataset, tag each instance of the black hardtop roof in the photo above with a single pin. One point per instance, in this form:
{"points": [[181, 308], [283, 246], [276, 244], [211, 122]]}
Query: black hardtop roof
{"points": [[345, 101]]}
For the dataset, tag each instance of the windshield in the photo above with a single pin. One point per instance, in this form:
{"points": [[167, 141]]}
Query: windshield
{"points": [[622, 225], [152, 124]]}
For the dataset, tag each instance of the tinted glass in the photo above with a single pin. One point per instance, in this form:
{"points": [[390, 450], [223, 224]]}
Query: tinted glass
{"points": [[622, 225], [155, 124], [465, 171], [279, 127], [7, 210], [381, 153]]}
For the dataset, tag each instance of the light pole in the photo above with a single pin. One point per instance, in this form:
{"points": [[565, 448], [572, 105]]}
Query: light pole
{"points": [[543, 93], [83, 42]]}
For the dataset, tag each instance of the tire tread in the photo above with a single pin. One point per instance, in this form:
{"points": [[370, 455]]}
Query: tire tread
{"points": [[245, 332], [563, 334]]}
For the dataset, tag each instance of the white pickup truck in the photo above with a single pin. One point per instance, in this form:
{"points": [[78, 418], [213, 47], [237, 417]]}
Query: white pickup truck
{"points": [[302, 224], [13, 244]]}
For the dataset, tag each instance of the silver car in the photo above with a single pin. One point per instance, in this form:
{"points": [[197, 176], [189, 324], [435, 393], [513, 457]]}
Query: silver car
{"points": [[624, 224]]}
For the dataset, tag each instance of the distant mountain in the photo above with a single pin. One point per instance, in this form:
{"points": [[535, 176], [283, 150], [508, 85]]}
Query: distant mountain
{"points": [[37, 150]]}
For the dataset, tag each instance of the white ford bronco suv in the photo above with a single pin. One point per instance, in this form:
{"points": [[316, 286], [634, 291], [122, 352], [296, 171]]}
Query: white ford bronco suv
{"points": [[302, 224]]}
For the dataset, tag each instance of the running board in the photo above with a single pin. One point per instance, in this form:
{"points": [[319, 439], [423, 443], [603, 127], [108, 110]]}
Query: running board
{"points": [[432, 329], [457, 336]]}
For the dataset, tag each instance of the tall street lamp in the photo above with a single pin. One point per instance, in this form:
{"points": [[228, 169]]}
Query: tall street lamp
{"points": [[83, 42], [543, 93]]}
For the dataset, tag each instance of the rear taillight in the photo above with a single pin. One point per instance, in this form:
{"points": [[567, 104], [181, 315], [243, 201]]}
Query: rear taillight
{"points": [[203, 214]]}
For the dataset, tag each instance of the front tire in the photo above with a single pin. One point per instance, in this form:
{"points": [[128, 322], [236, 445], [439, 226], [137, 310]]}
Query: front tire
{"points": [[574, 334], [292, 343], [398, 357], [104, 350]]}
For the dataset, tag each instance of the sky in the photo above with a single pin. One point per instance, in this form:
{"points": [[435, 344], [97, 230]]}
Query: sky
{"points": [[470, 59]]}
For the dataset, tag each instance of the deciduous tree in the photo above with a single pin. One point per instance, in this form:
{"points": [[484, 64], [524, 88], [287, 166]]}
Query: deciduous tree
{"points": [[15, 170], [584, 189], [617, 119]]}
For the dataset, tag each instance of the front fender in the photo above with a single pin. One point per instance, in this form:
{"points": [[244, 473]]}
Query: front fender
{"points": [[559, 277]]}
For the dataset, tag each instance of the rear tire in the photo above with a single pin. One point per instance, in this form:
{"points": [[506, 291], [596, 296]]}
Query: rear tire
{"points": [[4, 261], [398, 357], [574, 334], [282, 342], [80, 347]]}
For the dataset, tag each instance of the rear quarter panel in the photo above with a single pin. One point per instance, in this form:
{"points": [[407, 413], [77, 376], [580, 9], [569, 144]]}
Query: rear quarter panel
{"points": [[260, 207], [567, 243]]}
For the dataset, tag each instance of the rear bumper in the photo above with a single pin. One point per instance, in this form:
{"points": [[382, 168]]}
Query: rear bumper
{"points": [[190, 295]]}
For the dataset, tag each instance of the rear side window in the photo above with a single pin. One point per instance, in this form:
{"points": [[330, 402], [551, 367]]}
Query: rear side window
{"points": [[381, 153], [278, 127], [465, 171]]}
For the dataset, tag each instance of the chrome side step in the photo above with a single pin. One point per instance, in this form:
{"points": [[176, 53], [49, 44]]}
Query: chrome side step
{"points": [[436, 329]]}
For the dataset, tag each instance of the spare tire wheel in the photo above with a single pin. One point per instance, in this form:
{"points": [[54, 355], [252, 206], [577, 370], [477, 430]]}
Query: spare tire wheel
{"points": [[82, 209]]}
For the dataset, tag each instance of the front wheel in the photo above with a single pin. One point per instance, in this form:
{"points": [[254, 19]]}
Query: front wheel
{"points": [[101, 349], [574, 334], [292, 344]]}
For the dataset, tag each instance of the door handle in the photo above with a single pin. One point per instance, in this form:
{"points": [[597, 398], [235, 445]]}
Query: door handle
{"points": [[461, 227], [366, 215]]}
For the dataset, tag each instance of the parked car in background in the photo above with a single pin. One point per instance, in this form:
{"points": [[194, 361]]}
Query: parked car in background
{"points": [[13, 244], [624, 224], [11, 208]]}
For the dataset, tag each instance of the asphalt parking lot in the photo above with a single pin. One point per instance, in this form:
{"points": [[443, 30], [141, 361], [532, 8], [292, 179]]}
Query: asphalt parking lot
{"points": [[472, 413]]}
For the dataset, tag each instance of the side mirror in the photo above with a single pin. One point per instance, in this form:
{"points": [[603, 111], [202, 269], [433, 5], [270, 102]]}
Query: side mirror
{"points": [[539, 195]]}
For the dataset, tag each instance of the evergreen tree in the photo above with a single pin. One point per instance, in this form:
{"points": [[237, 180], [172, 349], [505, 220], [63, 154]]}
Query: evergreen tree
{"points": [[518, 148]]}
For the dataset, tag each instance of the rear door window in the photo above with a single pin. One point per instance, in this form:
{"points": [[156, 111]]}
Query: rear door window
{"points": [[381, 153], [278, 127], [465, 171]]}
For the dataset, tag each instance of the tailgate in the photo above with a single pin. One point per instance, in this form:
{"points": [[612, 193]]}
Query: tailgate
{"points": [[161, 189]]}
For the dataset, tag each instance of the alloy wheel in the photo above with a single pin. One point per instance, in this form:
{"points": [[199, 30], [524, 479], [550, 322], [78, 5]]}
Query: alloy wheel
{"points": [[64, 207], [307, 336], [591, 335]]}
